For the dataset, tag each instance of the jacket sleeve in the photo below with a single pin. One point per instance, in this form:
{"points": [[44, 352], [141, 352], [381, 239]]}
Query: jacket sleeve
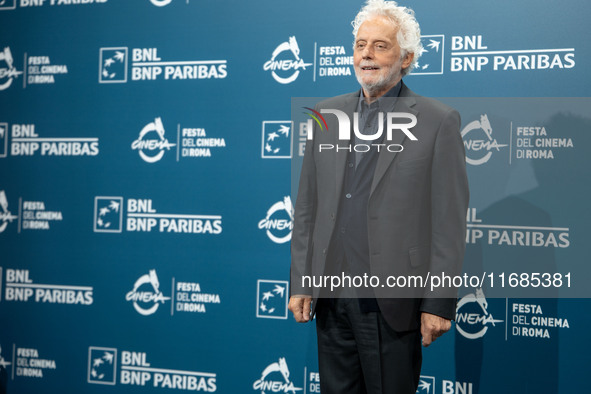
{"points": [[304, 220], [449, 204]]}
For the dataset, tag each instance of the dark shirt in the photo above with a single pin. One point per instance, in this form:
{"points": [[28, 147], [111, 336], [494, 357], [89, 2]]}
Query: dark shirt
{"points": [[351, 243], [368, 115]]}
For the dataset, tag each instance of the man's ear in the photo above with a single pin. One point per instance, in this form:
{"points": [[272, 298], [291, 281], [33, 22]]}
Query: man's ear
{"points": [[407, 61]]}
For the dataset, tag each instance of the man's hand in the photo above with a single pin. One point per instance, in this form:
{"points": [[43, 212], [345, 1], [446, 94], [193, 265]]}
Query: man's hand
{"points": [[432, 327], [299, 305]]}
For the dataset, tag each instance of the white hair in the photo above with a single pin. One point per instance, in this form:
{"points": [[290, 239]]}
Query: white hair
{"points": [[403, 18]]}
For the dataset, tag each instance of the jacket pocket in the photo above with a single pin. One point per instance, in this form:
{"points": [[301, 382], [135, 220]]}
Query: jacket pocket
{"points": [[421, 162]]}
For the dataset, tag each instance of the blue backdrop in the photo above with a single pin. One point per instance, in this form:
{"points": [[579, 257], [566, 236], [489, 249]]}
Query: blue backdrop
{"points": [[146, 154]]}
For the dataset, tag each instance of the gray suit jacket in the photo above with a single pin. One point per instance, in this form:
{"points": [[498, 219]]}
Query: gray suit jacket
{"points": [[416, 210]]}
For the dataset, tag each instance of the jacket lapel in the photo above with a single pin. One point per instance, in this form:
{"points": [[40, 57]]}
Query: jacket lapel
{"points": [[405, 102], [349, 107]]}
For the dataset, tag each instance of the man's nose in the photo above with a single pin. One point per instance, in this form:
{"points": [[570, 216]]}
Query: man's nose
{"points": [[367, 52]]}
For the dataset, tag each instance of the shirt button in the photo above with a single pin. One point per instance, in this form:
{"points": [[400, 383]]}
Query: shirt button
{"points": [[350, 164], [348, 195], [343, 230]]}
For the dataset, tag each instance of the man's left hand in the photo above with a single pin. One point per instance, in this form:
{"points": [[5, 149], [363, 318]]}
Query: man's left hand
{"points": [[432, 327]]}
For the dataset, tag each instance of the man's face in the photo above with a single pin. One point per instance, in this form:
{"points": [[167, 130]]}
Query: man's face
{"points": [[377, 56]]}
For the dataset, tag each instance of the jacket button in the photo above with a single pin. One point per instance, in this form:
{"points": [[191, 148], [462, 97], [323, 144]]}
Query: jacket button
{"points": [[348, 195]]}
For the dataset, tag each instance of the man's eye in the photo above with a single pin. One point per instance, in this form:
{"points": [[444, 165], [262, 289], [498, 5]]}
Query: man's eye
{"points": [[381, 47], [360, 46]]}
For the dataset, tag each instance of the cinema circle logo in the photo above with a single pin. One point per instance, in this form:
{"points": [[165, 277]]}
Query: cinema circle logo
{"points": [[472, 316], [9, 72], [279, 221], [151, 144], [480, 145], [146, 291], [278, 65], [160, 3], [275, 379], [5, 215]]}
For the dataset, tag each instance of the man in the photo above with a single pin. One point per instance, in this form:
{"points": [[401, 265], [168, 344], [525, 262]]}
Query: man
{"points": [[387, 212]]}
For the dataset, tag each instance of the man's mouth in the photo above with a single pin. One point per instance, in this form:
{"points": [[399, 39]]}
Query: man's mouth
{"points": [[369, 68]]}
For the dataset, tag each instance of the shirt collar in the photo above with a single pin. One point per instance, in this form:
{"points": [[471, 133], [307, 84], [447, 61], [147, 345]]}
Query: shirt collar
{"points": [[387, 100]]}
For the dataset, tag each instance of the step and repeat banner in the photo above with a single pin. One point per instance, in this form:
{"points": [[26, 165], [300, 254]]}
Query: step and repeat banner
{"points": [[146, 153]]}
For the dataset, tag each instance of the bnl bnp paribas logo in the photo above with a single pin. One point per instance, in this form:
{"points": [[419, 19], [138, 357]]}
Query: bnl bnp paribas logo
{"points": [[113, 65], [472, 316], [11, 4], [470, 54], [143, 217], [277, 141], [285, 63], [102, 365], [7, 4], [8, 71], [136, 369], [432, 55], [479, 142], [278, 222], [148, 65], [108, 216], [272, 299], [426, 385]]}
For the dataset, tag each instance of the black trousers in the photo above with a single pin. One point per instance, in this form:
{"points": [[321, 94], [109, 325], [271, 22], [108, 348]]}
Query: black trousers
{"points": [[359, 353]]}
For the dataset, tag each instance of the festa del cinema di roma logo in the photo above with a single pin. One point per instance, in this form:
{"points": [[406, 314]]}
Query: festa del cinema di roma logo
{"points": [[146, 295], [285, 70], [5, 215], [472, 316], [151, 143], [160, 3], [478, 150], [7, 70], [279, 221], [275, 379]]}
